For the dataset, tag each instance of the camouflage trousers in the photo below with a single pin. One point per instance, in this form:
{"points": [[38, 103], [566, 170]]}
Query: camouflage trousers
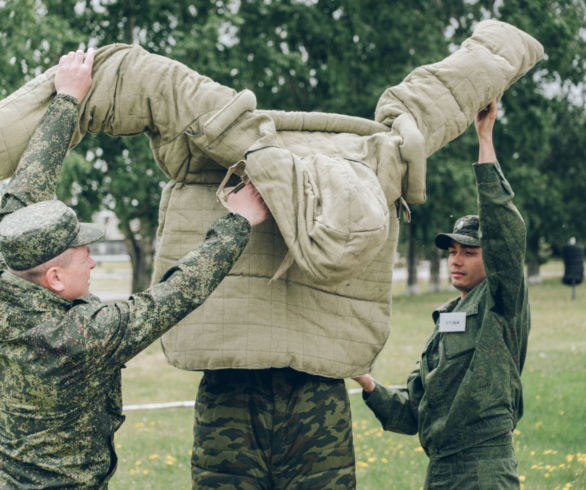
{"points": [[272, 429], [490, 465]]}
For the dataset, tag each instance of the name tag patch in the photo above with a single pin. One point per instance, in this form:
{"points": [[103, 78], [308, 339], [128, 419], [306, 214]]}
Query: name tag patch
{"points": [[452, 322]]}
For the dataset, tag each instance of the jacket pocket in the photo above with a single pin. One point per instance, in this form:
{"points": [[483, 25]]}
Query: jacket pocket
{"points": [[457, 344]]}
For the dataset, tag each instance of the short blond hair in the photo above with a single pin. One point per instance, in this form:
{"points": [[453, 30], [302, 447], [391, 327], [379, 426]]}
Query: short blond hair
{"points": [[35, 273]]}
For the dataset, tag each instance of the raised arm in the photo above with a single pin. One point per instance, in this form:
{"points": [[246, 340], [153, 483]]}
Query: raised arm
{"points": [[502, 228], [126, 328], [74, 74], [36, 176], [484, 123]]}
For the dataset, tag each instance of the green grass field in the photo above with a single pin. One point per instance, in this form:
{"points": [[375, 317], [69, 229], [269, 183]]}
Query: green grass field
{"points": [[154, 445]]}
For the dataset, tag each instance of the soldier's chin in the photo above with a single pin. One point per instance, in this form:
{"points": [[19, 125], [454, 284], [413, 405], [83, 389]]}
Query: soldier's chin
{"points": [[460, 287]]}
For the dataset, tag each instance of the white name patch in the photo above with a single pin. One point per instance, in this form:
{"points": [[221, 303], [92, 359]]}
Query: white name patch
{"points": [[452, 322]]}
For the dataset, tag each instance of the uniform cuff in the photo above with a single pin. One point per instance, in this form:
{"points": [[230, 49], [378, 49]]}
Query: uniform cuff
{"points": [[375, 395], [68, 98], [239, 220], [491, 173], [487, 172]]}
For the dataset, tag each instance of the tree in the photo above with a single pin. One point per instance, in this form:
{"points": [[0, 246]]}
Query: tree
{"points": [[567, 160], [333, 56], [450, 194], [30, 40], [120, 174]]}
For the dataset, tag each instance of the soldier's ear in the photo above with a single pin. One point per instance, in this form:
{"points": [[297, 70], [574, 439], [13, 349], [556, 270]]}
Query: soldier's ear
{"points": [[53, 279]]}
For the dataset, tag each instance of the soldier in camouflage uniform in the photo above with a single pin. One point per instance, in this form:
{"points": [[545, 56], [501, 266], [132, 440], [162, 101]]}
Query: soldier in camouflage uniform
{"points": [[61, 349], [465, 398]]}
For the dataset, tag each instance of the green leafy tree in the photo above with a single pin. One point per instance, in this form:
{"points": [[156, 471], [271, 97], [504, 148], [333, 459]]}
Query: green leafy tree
{"points": [[30, 40], [122, 177], [119, 174], [333, 56], [568, 160]]}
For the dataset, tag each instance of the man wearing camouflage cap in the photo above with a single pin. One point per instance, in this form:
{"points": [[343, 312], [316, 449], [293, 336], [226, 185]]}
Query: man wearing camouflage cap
{"points": [[465, 398], [61, 349]]}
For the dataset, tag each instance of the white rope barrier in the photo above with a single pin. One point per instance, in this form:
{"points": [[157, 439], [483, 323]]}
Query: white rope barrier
{"points": [[189, 403], [157, 406]]}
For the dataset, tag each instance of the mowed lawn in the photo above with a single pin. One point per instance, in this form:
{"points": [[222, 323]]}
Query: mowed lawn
{"points": [[154, 446]]}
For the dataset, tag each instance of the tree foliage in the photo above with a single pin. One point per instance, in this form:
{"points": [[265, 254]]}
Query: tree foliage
{"points": [[31, 40]]}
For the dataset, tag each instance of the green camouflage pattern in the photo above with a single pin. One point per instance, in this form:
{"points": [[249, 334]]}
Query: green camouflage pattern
{"points": [[60, 363], [467, 388], [61, 359], [36, 233], [490, 465], [272, 428], [35, 178], [465, 232]]}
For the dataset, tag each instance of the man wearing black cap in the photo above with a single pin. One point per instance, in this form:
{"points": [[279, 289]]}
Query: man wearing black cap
{"points": [[61, 349], [465, 398]]}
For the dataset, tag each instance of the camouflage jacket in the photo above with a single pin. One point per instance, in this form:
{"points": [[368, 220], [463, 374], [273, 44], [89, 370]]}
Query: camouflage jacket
{"points": [[60, 359], [467, 388]]}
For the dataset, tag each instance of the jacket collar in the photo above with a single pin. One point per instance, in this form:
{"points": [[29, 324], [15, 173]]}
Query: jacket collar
{"points": [[468, 304], [14, 288]]}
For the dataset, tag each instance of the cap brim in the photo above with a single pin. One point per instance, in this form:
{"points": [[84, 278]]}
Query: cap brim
{"points": [[444, 240], [88, 233]]}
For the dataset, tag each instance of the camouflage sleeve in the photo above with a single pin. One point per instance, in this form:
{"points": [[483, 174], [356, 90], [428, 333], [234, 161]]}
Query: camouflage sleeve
{"points": [[502, 238], [396, 407], [35, 178], [147, 315]]}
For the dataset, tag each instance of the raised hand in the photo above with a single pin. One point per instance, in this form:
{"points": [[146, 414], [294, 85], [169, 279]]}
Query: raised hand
{"points": [[74, 73]]}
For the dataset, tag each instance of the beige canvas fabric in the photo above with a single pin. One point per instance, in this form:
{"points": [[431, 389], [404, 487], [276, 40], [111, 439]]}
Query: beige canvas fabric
{"points": [[335, 213], [198, 128], [331, 210], [249, 322], [443, 97]]}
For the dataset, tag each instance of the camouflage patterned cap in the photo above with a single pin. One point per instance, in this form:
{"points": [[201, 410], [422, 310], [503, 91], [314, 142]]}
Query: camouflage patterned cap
{"points": [[465, 233], [35, 234]]}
